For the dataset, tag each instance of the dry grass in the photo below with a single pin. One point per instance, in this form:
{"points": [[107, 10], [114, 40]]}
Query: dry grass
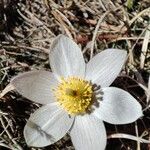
{"points": [[27, 28]]}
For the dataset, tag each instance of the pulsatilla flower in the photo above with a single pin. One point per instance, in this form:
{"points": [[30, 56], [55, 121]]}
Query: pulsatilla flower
{"points": [[76, 97]]}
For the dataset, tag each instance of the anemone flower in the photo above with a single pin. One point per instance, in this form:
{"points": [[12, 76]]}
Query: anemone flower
{"points": [[76, 97]]}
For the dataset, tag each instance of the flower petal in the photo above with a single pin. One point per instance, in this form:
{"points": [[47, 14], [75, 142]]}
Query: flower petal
{"points": [[36, 86], [105, 66], [66, 58], [47, 125], [88, 133], [118, 107]]}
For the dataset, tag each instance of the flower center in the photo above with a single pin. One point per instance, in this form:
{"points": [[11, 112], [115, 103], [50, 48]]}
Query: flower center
{"points": [[75, 95]]}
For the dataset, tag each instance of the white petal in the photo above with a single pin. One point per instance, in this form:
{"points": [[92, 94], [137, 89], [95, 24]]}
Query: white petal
{"points": [[46, 126], [88, 133], [105, 66], [118, 107], [36, 86], [66, 58]]}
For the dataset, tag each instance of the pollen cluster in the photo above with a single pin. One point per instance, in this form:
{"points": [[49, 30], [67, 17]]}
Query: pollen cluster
{"points": [[74, 95]]}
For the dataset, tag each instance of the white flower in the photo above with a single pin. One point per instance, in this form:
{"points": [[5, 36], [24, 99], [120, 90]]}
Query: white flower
{"points": [[76, 97]]}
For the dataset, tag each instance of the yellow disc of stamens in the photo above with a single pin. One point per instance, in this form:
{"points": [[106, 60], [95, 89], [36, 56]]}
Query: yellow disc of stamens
{"points": [[74, 95]]}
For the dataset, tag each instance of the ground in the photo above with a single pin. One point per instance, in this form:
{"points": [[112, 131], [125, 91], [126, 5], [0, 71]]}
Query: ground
{"points": [[27, 28]]}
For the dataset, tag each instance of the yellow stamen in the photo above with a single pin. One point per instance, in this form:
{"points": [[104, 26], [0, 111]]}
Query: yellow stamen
{"points": [[74, 95]]}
